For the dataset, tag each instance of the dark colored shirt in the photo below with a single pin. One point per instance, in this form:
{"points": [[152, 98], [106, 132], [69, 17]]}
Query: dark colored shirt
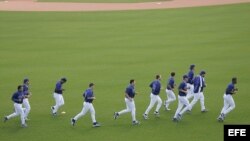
{"points": [[88, 94], [182, 86], [199, 84], [130, 90], [156, 87], [190, 76], [230, 89], [17, 97], [170, 85], [58, 88], [25, 90]]}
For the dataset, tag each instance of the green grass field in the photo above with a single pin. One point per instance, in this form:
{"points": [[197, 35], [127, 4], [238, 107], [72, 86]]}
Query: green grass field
{"points": [[102, 1], [109, 48]]}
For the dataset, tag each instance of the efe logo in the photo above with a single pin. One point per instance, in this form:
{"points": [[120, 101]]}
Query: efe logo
{"points": [[236, 132]]}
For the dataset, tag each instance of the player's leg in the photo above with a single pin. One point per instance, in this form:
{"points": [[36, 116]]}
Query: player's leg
{"points": [[231, 103], [92, 113], [19, 111], [202, 102], [127, 108], [131, 106], [26, 105], [190, 91], [226, 104], [185, 102], [180, 105], [85, 109], [153, 100], [57, 100], [194, 101], [60, 101], [171, 98], [159, 103], [13, 114]]}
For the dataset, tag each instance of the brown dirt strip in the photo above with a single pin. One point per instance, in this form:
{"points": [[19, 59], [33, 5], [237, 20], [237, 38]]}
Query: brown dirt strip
{"points": [[30, 5]]}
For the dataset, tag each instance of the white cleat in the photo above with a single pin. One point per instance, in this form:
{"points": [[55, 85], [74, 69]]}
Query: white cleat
{"points": [[135, 122], [145, 116]]}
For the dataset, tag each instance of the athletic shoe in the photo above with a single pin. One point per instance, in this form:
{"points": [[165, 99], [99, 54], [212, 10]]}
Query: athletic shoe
{"points": [[116, 115], [175, 120], [5, 119], [204, 111], [135, 122], [52, 111], [96, 124], [220, 119], [157, 114], [73, 122], [24, 125], [167, 109], [179, 116], [145, 116]]}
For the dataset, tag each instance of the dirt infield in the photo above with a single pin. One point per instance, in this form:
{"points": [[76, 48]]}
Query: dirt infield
{"points": [[32, 5]]}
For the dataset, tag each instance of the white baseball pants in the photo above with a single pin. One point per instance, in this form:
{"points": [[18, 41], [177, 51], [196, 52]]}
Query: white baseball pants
{"points": [[182, 101], [190, 91], [198, 96], [18, 111], [59, 101], [130, 108], [26, 105], [229, 104], [171, 97], [87, 107], [153, 100]]}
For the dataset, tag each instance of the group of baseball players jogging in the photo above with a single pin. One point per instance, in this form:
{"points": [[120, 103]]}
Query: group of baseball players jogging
{"points": [[190, 91]]}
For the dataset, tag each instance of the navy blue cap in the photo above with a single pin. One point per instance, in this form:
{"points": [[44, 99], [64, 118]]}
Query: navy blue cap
{"points": [[202, 72], [25, 80], [192, 66], [185, 76]]}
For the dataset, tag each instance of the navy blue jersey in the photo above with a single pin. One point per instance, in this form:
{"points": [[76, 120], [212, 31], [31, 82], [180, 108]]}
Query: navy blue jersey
{"points": [[199, 84], [88, 94], [130, 90], [190, 76], [25, 90], [58, 88], [170, 85], [182, 86], [230, 89], [17, 97], [156, 87]]}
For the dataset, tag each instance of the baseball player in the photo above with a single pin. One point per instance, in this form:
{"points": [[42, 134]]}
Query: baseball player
{"points": [[199, 85], [87, 106], [190, 85], [169, 91], [229, 104], [27, 94], [130, 104], [154, 97], [58, 96], [17, 98], [183, 101]]}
